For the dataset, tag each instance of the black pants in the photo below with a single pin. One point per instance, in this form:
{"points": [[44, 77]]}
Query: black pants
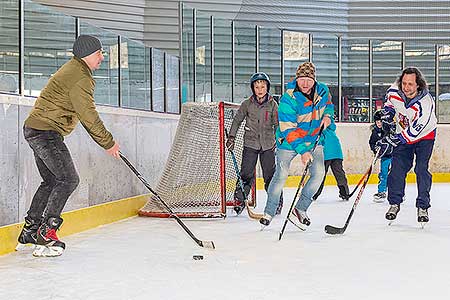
{"points": [[249, 160], [339, 174], [402, 161], [55, 165]]}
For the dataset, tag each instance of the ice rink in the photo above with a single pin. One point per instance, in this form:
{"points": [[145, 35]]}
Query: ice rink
{"points": [[145, 258]]}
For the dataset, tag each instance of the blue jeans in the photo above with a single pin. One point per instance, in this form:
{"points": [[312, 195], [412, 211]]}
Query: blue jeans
{"points": [[402, 162], [283, 162], [383, 175]]}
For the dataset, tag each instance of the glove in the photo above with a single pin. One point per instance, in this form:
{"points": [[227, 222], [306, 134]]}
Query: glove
{"points": [[387, 144], [230, 143], [387, 120]]}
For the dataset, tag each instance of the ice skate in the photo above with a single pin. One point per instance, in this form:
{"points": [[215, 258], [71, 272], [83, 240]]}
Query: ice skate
{"points": [[343, 193], [239, 207], [28, 235], [47, 242], [379, 197], [344, 197], [299, 218], [422, 216], [265, 221], [392, 212]]}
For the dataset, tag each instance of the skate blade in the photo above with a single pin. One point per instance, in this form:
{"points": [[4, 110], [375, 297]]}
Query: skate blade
{"points": [[296, 225], [263, 227], [24, 247], [378, 200], [422, 224], [44, 251], [391, 222]]}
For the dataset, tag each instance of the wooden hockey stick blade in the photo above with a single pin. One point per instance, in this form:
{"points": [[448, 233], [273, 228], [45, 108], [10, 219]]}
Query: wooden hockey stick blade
{"points": [[251, 213], [207, 244]]}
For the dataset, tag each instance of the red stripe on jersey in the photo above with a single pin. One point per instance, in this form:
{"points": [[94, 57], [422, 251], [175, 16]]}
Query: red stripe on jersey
{"points": [[396, 98]]}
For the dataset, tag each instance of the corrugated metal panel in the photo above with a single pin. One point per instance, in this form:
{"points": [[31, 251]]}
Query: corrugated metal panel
{"points": [[329, 16], [156, 22], [412, 21], [125, 17]]}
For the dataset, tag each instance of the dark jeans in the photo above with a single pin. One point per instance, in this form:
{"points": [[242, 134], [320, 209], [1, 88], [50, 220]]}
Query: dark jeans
{"points": [[55, 165], [339, 174], [402, 161], [249, 160]]}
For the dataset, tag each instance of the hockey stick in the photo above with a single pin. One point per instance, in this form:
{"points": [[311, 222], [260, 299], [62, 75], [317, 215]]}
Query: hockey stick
{"points": [[251, 213], [300, 185], [340, 230], [359, 183], [205, 244]]}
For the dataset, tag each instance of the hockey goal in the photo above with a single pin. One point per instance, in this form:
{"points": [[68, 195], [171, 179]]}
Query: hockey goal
{"points": [[199, 177]]}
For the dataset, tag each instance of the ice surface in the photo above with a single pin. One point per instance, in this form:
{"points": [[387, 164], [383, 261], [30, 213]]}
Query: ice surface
{"points": [[146, 258]]}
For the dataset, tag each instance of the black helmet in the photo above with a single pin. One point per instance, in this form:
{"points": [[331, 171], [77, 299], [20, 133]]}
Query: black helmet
{"points": [[259, 76], [377, 115]]}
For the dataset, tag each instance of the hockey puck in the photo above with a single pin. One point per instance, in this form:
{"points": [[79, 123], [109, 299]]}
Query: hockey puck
{"points": [[197, 257]]}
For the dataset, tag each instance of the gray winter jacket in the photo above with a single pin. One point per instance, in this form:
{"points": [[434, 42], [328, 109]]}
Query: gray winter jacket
{"points": [[261, 121]]}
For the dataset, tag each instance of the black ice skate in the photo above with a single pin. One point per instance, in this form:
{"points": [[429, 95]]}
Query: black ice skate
{"points": [[422, 216], [239, 207], [48, 243], [265, 221], [299, 218], [392, 212], [344, 197], [28, 234], [343, 193], [379, 197]]}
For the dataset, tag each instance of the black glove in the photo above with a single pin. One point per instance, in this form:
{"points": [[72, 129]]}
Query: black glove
{"points": [[387, 145], [230, 143], [387, 120]]}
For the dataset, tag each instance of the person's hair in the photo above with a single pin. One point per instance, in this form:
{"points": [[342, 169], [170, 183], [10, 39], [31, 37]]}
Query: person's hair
{"points": [[420, 79], [261, 80]]}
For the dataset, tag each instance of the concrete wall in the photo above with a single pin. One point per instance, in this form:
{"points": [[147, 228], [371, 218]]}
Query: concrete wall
{"points": [[144, 137]]}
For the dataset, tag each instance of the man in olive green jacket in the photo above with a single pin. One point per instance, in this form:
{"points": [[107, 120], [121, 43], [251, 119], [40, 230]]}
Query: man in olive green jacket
{"points": [[67, 98]]}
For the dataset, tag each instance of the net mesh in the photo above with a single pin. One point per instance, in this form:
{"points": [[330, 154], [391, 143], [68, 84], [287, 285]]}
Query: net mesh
{"points": [[191, 183]]}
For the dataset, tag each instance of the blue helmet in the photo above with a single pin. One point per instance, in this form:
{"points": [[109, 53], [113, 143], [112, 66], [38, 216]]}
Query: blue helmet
{"points": [[259, 76], [378, 115]]}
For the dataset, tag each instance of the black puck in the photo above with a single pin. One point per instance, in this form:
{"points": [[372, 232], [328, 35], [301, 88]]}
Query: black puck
{"points": [[197, 257]]}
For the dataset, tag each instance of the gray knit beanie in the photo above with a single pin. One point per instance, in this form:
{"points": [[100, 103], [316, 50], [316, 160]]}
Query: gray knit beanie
{"points": [[86, 45]]}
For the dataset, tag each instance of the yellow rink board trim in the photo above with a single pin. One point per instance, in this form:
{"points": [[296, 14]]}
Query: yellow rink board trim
{"points": [[353, 179], [80, 220]]}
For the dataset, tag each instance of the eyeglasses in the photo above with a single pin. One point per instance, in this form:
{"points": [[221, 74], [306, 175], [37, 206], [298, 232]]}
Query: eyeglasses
{"points": [[102, 52]]}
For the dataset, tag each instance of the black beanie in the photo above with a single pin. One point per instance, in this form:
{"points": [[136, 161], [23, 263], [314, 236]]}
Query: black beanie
{"points": [[86, 45]]}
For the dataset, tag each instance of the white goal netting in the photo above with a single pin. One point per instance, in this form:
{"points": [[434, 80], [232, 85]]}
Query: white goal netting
{"points": [[199, 177]]}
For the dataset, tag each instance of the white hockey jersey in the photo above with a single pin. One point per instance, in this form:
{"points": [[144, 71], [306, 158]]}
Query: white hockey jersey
{"points": [[416, 120]]}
